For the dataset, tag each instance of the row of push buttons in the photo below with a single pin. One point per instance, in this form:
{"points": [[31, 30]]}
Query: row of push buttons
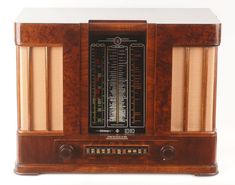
{"points": [[100, 150]]}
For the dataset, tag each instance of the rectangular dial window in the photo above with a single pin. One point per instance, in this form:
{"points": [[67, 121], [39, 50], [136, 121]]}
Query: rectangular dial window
{"points": [[117, 83]]}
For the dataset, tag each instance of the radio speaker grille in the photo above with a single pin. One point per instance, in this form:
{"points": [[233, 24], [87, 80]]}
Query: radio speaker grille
{"points": [[40, 88], [193, 88]]}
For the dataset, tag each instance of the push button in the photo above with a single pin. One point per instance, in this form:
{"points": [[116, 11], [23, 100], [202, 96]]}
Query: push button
{"points": [[116, 150]]}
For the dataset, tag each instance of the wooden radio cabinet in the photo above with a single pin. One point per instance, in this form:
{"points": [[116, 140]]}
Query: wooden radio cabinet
{"points": [[116, 90]]}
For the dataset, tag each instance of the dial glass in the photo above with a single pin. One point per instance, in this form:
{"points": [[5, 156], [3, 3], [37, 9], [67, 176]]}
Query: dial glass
{"points": [[117, 83]]}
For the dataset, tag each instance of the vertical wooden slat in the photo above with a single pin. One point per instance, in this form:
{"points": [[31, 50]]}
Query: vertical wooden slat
{"points": [[18, 86], [177, 100], [38, 102], [48, 128], [29, 90], [55, 88], [204, 88], [186, 88], [214, 91]]}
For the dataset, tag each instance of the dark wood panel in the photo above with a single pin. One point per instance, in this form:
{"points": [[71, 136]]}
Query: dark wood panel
{"points": [[150, 85], [188, 150], [117, 26], [41, 34], [71, 86], [84, 91], [189, 34]]}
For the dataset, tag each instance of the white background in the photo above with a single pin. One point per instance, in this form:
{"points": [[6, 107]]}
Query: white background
{"points": [[225, 10]]}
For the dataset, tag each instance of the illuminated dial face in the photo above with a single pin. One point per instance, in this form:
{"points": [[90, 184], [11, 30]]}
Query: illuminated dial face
{"points": [[117, 84]]}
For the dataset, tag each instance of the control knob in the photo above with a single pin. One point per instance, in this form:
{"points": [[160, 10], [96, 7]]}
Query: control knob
{"points": [[66, 151], [167, 152]]}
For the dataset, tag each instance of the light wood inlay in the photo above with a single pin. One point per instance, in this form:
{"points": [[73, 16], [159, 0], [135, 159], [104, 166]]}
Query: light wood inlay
{"points": [[40, 92], [56, 88], [193, 89], [186, 87], [47, 62], [214, 88], [38, 88], [204, 89], [18, 86], [211, 81], [29, 82], [177, 115], [23, 96]]}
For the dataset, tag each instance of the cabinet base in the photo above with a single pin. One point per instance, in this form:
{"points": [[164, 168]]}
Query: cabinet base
{"points": [[36, 169]]}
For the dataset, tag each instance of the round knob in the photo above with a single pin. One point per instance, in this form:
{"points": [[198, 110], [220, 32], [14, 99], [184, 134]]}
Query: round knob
{"points": [[66, 151], [167, 152]]}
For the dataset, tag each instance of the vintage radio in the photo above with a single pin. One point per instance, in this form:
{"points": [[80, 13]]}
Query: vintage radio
{"points": [[116, 90]]}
